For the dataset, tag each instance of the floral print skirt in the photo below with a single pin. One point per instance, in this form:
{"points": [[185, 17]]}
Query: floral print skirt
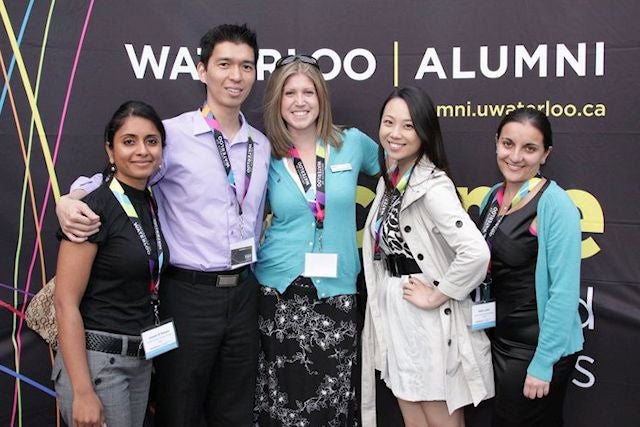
{"points": [[307, 359]]}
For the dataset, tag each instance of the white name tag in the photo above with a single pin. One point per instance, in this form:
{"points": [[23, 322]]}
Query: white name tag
{"points": [[159, 339], [483, 315], [341, 167], [243, 252], [320, 265]]}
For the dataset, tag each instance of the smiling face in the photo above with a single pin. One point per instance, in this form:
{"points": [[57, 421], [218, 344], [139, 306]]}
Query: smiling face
{"points": [[300, 106], [398, 135], [136, 150], [520, 152], [229, 76]]}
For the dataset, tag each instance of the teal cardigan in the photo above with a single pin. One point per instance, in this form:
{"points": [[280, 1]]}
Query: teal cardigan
{"points": [[557, 280], [293, 230]]}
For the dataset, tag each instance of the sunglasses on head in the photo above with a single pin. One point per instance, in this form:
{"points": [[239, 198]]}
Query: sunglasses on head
{"points": [[307, 59]]}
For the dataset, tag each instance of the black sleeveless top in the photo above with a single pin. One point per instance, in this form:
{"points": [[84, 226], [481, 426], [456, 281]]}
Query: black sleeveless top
{"points": [[514, 253]]}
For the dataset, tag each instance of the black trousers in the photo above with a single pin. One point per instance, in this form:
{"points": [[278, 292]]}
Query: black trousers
{"points": [[210, 378]]}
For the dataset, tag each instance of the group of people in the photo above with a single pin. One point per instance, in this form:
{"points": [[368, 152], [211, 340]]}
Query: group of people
{"points": [[165, 257]]}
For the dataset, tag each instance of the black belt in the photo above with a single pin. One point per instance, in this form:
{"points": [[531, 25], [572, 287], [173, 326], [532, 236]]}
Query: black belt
{"points": [[220, 279], [400, 265], [113, 345]]}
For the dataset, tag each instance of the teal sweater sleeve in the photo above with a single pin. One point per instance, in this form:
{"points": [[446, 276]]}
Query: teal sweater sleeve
{"points": [[557, 281]]}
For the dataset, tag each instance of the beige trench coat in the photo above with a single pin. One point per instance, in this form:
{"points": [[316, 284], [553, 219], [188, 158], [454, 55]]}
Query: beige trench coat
{"points": [[450, 252]]}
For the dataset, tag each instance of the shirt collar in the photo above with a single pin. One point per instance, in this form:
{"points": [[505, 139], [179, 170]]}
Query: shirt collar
{"points": [[201, 127]]}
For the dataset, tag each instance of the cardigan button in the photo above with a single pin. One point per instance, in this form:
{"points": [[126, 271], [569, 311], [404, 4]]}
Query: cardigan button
{"points": [[407, 229], [97, 381], [420, 257], [447, 311]]}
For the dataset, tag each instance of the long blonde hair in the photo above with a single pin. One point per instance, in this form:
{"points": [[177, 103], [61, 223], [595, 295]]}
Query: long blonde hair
{"points": [[275, 125]]}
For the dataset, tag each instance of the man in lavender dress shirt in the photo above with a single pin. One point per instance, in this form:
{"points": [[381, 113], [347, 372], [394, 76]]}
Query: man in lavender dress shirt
{"points": [[210, 377]]}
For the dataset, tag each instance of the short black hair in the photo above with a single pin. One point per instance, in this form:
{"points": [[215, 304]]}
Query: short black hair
{"points": [[240, 34]]}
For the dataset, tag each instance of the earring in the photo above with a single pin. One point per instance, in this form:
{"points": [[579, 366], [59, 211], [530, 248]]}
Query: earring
{"points": [[543, 162], [112, 168]]}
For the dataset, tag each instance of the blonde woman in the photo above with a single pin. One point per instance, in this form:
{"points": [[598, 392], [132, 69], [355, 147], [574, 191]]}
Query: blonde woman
{"points": [[308, 263]]}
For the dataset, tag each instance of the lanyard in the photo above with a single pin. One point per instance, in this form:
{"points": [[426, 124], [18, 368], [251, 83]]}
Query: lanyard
{"points": [[388, 199], [492, 220], [491, 223], [315, 199], [154, 266], [224, 156]]}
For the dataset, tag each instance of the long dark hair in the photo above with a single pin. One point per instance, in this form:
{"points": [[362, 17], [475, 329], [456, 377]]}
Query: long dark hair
{"points": [[535, 118], [126, 110], [426, 124]]}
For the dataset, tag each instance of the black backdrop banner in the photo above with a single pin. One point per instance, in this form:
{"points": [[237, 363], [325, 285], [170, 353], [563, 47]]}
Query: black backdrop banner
{"points": [[67, 65]]}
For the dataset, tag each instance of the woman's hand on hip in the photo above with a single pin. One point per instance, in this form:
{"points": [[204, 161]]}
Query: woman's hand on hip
{"points": [[421, 295]]}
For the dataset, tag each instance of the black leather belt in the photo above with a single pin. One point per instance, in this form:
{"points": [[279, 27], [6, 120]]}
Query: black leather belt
{"points": [[220, 279], [399, 265], [113, 345]]}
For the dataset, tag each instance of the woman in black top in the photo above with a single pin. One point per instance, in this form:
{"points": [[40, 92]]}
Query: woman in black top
{"points": [[106, 287], [533, 231]]}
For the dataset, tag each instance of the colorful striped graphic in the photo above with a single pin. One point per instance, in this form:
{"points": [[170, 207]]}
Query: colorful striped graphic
{"points": [[13, 91]]}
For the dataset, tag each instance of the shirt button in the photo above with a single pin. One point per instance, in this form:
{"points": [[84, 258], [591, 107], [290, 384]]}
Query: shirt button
{"points": [[97, 381], [449, 342], [436, 283], [420, 257], [459, 224], [112, 360], [310, 243], [447, 311], [407, 229]]}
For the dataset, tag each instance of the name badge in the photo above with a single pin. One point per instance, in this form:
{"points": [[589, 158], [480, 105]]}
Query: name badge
{"points": [[483, 315], [243, 252], [320, 265], [341, 167], [159, 339]]}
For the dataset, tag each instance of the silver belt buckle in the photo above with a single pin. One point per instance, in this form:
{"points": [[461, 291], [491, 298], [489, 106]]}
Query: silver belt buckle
{"points": [[227, 280]]}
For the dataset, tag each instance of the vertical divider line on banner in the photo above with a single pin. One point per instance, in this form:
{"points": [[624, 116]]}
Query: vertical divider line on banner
{"points": [[395, 64]]}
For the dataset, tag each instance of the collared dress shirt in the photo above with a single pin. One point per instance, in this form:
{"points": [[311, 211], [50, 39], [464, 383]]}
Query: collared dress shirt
{"points": [[198, 209]]}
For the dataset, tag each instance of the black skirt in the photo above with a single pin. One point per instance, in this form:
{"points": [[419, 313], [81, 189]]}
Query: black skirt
{"points": [[308, 358], [511, 407]]}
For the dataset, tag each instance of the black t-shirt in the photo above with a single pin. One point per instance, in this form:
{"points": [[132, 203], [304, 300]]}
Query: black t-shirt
{"points": [[118, 297]]}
